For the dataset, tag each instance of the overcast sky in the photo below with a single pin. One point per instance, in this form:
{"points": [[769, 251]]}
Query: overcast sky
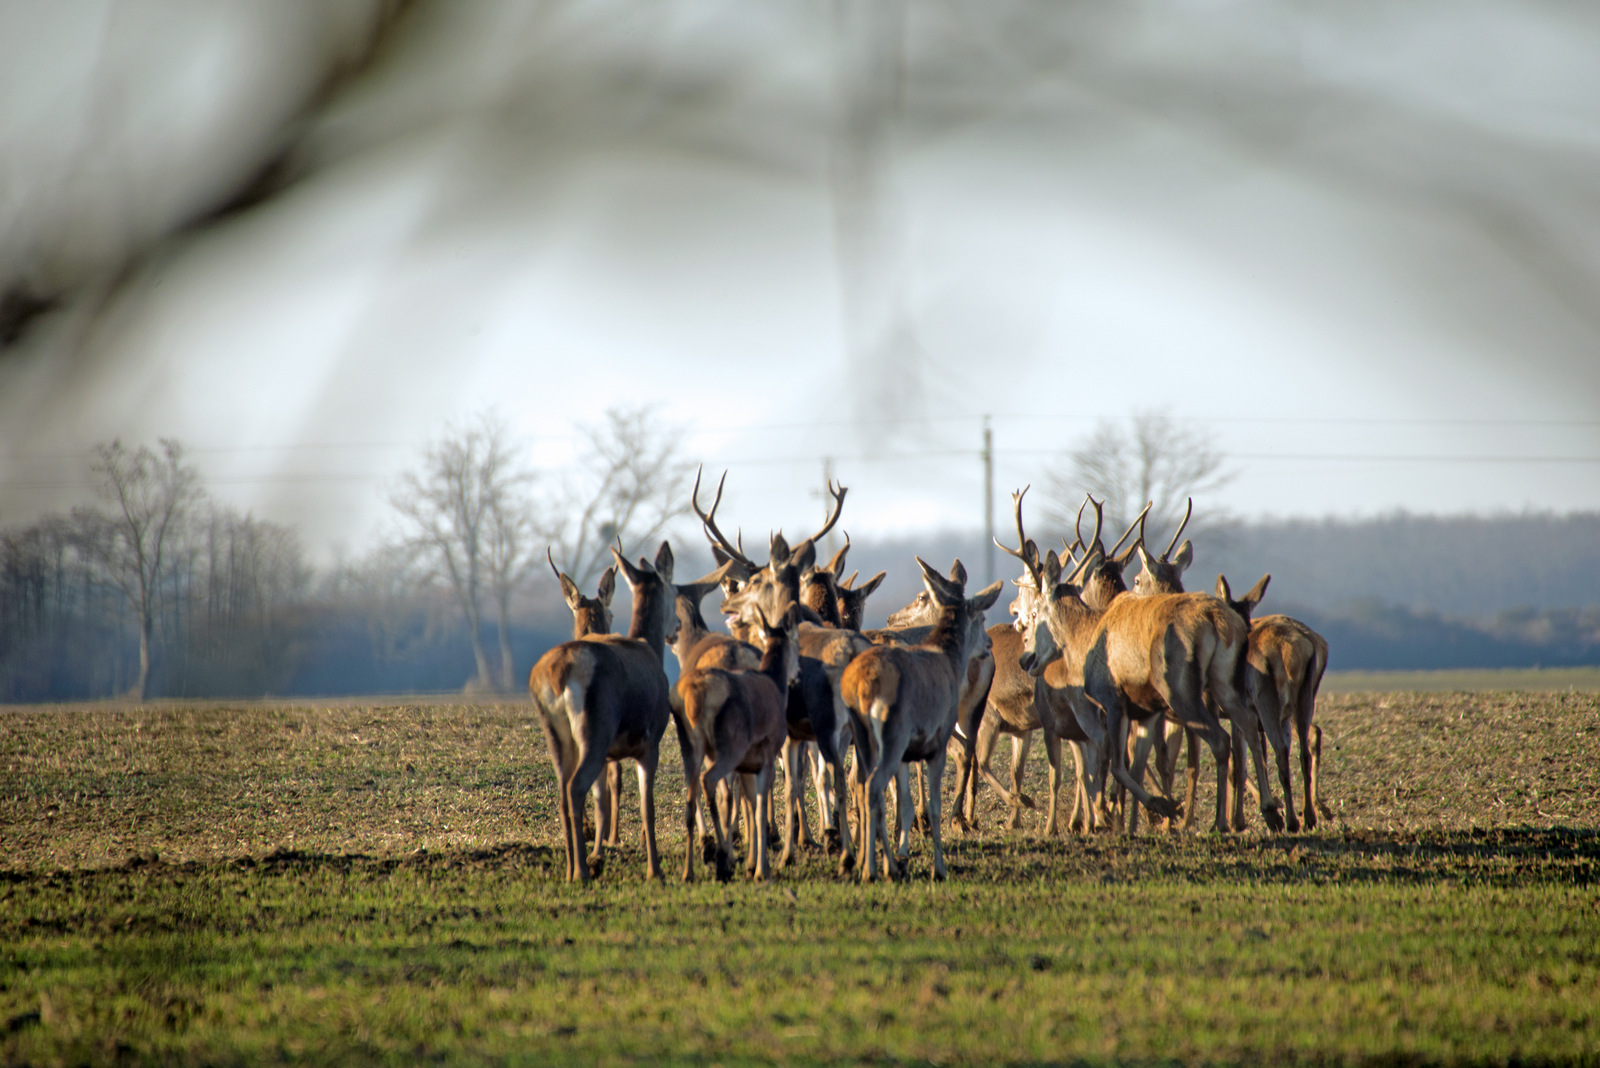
{"points": [[1359, 243]]}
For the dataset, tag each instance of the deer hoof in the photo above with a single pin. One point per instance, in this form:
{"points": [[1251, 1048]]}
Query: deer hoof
{"points": [[1273, 817], [1027, 801], [1165, 808], [831, 840], [597, 865]]}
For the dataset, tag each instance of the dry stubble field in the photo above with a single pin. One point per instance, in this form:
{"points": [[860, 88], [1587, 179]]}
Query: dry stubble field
{"points": [[376, 883]]}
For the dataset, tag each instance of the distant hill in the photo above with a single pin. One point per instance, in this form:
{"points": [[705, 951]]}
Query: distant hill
{"points": [[1397, 591]]}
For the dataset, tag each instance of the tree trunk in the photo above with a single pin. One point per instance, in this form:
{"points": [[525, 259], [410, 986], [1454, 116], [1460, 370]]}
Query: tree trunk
{"points": [[507, 672], [145, 626]]}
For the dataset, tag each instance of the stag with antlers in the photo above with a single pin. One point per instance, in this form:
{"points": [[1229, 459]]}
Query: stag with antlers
{"points": [[815, 712]]}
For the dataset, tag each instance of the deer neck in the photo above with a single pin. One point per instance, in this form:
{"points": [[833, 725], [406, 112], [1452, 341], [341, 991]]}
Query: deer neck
{"points": [[647, 624], [692, 630], [1072, 624], [587, 621]]}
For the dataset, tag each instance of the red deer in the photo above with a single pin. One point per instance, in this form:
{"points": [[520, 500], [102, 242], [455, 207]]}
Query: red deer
{"points": [[1285, 666], [592, 615], [1164, 575], [904, 700], [1165, 653], [815, 713], [605, 698], [735, 722]]}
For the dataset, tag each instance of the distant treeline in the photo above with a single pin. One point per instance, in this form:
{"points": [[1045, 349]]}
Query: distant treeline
{"points": [[240, 613]]}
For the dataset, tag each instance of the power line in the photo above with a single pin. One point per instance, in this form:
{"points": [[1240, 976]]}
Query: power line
{"points": [[830, 424]]}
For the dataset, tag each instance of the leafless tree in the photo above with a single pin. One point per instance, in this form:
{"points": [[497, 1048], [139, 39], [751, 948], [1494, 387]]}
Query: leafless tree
{"points": [[131, 542], [513, 533], [631, 483], [1153, 458], [450, 505]]}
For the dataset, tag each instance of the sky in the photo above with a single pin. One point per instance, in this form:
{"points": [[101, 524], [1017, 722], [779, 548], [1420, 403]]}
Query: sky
{"points": [[1359, 244]]}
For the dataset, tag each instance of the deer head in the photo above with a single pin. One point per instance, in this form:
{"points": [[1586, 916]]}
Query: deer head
{"points": [[590, 615], [1164, 574], [1245, 605]]}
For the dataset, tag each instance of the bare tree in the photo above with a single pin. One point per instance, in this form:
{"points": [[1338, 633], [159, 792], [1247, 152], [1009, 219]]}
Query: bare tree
{"points": [[131, 543], [631, 484], [450, 506], [513, 531], [1154, 458]]}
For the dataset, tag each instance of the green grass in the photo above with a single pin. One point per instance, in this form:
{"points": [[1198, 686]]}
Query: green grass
{"points": [[358, 884]]}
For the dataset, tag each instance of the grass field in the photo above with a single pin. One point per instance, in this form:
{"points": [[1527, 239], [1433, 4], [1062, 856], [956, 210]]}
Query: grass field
{"points": [[376, 883]]}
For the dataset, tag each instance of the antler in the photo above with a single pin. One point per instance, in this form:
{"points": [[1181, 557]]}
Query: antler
{"points": [[1026, 551], [708, 521], [552, 560], [837, 493], [1187, 512], [1138, 521]]}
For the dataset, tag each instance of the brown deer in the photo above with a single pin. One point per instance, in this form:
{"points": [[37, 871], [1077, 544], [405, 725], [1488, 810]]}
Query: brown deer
{"points": [[910, 626], [853, 599], [1051, 702], [904, 702], [606, 698], [735, 722], [815, 713], [592, 615], [1283, 673], [1164, 575], [1165, 653]]}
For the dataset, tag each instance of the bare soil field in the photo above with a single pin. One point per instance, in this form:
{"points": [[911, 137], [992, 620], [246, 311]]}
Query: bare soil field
{"points": [[377, 882], [94, 784]]}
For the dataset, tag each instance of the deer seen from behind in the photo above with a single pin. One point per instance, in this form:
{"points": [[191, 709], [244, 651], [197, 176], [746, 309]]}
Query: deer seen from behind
{"points": [[604, 698]]}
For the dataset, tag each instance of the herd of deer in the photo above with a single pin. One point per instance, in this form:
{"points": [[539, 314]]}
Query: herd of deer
{"points": [[1118, 675]]}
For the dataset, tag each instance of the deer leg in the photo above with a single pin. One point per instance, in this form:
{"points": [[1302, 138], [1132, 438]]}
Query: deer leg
{"points": [[563, 761], [794, 761], [922, 799], [647, 808], [988, 735], [709, 781], [935, 773], [905, 813], [1273, 727], [1310, 767], [1117, 747], [1052, 752], [1020, 744], [830, 751], [614, 786], [1181, 685], [1191, 776], [590, 766], [691, 810]]}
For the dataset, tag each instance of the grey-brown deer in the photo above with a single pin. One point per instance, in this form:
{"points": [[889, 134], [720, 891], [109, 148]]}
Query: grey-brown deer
{"points": [[604, 698]]}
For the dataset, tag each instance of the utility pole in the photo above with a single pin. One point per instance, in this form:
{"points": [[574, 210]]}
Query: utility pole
{"points": [[988, 502]]}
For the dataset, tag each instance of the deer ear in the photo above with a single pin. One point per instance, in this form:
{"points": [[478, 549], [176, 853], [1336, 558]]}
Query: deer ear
{"points": [[836, 565], [778, 551], [664, 562], [608, 586], [1185, 556], [985, 598], [1224, 591], [791, 618], [958, 573], [1258, 591], [805, 557], [1051, 569], [570, 591], [871, 584], [629, 572], [1145, 559]]}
